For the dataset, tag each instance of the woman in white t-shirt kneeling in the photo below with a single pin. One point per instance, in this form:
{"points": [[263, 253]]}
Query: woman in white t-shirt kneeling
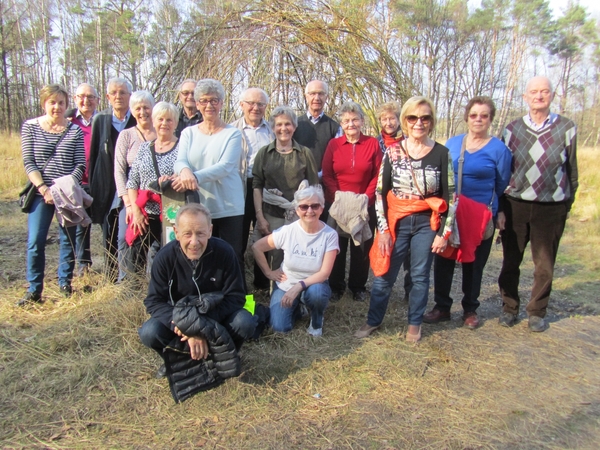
{"points": [[309, 248]]}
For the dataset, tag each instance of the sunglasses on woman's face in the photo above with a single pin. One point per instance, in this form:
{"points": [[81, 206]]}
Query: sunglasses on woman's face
{"points": [[483, 116], [425, 120], [314, 207]]}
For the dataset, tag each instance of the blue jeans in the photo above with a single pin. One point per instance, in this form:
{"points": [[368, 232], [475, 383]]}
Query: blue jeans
{"points": [[316, 298], [240, 325], [38, 224], [415, 234]]}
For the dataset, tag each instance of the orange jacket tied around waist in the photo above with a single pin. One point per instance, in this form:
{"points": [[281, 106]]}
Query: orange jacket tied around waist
{"points": [[399, 209]]}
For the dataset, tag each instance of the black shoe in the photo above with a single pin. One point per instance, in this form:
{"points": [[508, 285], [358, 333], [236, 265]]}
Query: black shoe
{"points": [[436, 316], [537, 324], [161, 372], [29, 297], [336, 296], [507, 319], [66, 290], [360, 296]]}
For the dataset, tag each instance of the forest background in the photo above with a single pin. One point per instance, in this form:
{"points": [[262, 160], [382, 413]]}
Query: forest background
{"points": [[370, 51]]}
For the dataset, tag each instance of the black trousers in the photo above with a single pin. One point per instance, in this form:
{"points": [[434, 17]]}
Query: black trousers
{"points": [[110, 233], [472, 274], [136, 256], [359, 262]]}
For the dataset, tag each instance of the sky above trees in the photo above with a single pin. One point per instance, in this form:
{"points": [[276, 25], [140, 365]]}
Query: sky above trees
{"points": [[369, 51]]}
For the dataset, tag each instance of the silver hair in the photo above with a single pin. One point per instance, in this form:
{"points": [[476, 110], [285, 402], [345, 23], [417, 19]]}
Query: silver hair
{"points": [[209, 86], [89, 86], [325, 85], [187, 80], [119, 81], [311, 191], [539, 77], [193, 208], [139, 97], [351, 107], [283, 111], [166, 109], [263, 93]]}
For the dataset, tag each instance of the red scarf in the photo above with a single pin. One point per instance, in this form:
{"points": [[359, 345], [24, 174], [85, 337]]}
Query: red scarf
{"points": [[391, 139]]}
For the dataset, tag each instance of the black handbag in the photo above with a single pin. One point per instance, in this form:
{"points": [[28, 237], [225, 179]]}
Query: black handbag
{"points": [[26, 197], [28, 193]]}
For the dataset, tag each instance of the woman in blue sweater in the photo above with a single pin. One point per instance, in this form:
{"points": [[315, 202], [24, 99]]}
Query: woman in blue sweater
{"points": [[486, 172], [208, 161]]}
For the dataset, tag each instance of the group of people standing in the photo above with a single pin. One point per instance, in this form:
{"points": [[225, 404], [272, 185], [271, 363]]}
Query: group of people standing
{"points": [[390, 200]]}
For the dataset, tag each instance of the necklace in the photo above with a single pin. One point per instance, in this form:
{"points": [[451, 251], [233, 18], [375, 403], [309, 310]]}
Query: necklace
{"points": [[204, 128], [419, 153], [283, 151], [160, 148], [54, 127]]}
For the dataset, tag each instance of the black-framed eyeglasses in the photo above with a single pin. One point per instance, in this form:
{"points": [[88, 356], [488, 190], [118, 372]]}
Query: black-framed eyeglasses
{"points": [[313, 206], [187, 93], [86, 97], [425, 120]]}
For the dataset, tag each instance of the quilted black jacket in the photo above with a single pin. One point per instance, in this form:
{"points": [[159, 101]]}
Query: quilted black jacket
{"points": [[187, 376]]}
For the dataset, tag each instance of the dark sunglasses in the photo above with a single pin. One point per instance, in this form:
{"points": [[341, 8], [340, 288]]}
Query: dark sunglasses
{"points": [[314, 207], [475, 116], [426, 119]]}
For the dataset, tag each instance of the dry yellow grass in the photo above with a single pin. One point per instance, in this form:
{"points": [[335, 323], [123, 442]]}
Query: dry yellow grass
{"points": [[13, 175], [73, 373]]}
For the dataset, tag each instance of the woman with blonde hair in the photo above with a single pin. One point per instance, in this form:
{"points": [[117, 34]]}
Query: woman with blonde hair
{"points": [[412, 197]]}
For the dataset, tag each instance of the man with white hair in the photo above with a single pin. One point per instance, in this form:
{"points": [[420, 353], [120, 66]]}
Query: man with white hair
{"points": [[189, 114], [256, 133], [106, 127], [539, 196], [86, 101], [315, 128]]}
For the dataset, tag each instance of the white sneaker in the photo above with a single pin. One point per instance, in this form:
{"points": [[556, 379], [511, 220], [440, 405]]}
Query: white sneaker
{"points": [[318, 332]]}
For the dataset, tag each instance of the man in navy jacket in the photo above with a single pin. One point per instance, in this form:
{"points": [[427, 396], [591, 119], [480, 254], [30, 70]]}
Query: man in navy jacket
{"points": [[192, 265]]}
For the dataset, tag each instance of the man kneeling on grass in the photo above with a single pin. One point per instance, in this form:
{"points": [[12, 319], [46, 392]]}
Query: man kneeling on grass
{"points": [[196, 303]]}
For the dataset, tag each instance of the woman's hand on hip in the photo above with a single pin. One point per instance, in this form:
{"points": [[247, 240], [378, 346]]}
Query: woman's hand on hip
{"points": [[277, 275]]}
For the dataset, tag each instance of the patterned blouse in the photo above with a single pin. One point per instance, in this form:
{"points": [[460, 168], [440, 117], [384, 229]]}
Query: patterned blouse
{"points": [[431, 176], [142, 171]]}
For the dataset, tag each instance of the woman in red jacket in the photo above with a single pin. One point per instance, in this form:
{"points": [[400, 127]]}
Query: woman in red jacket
{"points": [[351, 164]]}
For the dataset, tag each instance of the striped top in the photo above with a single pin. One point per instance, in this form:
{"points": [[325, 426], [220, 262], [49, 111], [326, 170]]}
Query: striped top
{"points": [[37, 145]]}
